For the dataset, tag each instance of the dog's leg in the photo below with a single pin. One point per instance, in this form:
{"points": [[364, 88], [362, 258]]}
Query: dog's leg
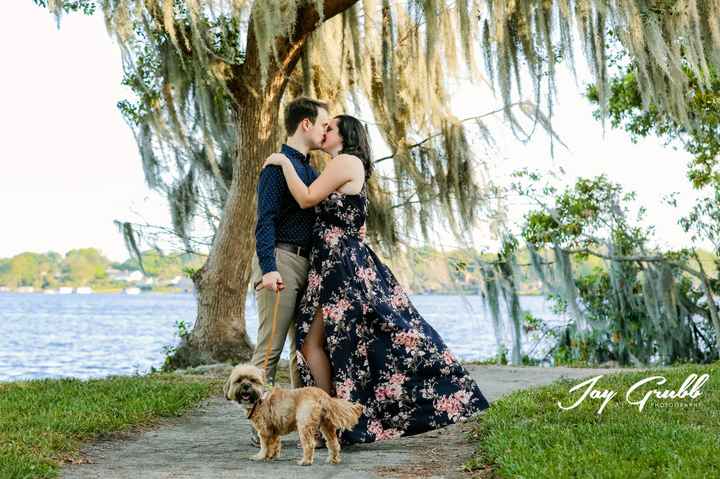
{"points": [[307, 439], [329, 433], [263, 454], [274, 447], [278, 448]]}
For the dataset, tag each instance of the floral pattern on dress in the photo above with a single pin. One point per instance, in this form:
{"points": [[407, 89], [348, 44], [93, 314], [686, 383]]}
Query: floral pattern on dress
{"points": [[382, 353]]}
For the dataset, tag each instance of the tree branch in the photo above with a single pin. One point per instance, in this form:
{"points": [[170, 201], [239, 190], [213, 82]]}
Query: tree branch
{"points": [[420, 143], [288, 48]]}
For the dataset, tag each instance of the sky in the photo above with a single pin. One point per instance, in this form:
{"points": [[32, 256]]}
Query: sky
{"points": [[70, 165]]}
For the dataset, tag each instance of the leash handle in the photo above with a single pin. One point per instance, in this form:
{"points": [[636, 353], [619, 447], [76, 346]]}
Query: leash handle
{"points": [[274, 327]]}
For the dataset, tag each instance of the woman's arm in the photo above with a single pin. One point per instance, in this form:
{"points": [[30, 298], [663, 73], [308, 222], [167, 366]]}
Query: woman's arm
{"points": [[339, 170]]}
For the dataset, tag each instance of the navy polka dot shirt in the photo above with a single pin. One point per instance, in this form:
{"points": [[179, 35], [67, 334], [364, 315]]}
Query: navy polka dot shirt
{"points": [[279, 216]]}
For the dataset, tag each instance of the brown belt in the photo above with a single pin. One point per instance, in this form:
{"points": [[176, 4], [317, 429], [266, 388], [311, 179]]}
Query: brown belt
{"points": [[293, 248]]}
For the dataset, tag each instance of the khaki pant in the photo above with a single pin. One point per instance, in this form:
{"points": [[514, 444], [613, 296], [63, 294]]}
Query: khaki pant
{"points": [[293, 269]]}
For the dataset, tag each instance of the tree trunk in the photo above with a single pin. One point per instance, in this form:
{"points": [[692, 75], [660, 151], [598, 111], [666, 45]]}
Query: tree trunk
{"points": [[220, 333], [222, 284], [712, 306]]}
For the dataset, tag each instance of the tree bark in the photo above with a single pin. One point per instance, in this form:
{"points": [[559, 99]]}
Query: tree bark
{"points": [[712, 306], [220, 333]]}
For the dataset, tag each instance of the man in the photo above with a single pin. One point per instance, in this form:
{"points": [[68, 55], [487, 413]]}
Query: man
{"points": [[283, 236]]}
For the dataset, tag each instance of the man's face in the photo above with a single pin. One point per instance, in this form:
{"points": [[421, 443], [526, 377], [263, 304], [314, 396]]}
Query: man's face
{"points": [[316, 132]]}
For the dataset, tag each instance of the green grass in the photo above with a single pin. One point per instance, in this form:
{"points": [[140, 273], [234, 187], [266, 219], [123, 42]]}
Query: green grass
{"points": [[526, 434], [45, 422]]}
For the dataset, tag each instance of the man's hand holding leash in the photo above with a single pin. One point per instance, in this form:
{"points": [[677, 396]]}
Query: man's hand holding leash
{"points": [[272, 281]]}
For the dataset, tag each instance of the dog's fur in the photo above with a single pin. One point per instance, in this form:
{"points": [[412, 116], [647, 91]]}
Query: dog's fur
{"points": [[282, 411]]}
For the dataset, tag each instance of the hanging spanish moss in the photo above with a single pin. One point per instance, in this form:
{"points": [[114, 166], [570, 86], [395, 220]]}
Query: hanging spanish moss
{"points": [[129, 236], [184, 60], [490, 293], [637, 305], [638, 312], [661, 37], [508, 286], [500, 279]]}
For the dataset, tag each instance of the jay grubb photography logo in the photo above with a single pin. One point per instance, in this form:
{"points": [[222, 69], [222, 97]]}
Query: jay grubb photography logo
{"points": [[640, 392]]}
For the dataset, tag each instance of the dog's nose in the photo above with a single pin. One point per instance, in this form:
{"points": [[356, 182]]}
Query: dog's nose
{"points": [[244, 386]]}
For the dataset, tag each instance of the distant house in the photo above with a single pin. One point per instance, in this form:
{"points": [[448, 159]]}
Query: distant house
{"points": [[115, 274], [135, 276], [124, 276]]}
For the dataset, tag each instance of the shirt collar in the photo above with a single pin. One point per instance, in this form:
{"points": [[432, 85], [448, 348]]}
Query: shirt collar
{"points": [[291, 153]]}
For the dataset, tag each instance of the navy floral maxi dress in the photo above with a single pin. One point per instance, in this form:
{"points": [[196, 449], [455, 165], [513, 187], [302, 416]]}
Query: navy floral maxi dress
{"points": [[382, 353]]}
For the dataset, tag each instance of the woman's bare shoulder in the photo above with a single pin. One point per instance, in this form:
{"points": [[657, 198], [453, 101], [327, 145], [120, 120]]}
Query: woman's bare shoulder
{"points": [[347, 157], [356, 171], [350, 161]]}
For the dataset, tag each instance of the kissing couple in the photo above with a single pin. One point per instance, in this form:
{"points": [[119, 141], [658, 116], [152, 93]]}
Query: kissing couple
{"points": [[353, 330]]}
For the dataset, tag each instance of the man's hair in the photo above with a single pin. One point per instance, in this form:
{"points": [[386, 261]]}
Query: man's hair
{"points": [[299, 109]]}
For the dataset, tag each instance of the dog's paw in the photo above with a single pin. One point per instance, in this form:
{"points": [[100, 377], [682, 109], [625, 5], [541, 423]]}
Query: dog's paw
{"points": [[303, 462], [333, 460], [258, 457]]}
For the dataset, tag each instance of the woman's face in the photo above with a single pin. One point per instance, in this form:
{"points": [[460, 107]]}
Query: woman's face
{"points": [[332, 142]]}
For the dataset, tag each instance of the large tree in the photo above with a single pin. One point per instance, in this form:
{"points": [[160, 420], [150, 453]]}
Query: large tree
{"points": [[210, 77]]}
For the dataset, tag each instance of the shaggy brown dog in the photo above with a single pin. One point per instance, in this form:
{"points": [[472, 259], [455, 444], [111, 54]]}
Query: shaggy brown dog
{"points": [[282, 411]]}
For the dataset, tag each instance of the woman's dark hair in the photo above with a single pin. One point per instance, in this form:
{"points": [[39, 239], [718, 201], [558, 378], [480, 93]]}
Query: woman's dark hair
{"points": [[355, 141]]}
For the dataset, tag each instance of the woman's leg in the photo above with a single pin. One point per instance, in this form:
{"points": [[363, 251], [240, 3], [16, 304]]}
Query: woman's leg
{"points": [[313, 349]]}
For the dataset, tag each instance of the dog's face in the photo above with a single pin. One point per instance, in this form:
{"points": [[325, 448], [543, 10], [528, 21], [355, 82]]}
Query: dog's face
{"points": [[245, 384]]}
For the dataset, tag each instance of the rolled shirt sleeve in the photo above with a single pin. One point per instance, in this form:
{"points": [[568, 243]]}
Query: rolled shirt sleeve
{"points": [[269, 193]]}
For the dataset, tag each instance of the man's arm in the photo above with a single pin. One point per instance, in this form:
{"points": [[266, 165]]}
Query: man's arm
{"points": [[269, 194]]}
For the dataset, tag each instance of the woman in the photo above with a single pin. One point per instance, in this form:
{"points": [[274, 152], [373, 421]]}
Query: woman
{"points": [[357, 331]]}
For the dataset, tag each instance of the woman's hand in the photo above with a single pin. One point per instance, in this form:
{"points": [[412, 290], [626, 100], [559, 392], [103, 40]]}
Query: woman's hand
{"points": [[276, 159]]}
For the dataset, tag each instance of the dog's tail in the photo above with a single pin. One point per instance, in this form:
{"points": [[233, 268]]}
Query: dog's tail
{"points": [[343, 414]]}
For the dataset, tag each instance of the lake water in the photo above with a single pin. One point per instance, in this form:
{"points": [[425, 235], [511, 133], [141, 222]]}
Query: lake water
{"points": [[96, 335]]}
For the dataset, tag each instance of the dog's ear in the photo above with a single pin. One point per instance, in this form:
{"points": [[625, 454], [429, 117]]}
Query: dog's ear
{"points": [[226, 389]]}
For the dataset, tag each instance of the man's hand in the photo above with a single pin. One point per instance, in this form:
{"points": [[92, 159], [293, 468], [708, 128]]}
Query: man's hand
{"points": [[363, 230], [272, 281]]}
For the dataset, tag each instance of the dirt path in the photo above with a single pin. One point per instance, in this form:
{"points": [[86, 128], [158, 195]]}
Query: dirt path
{"points": [[212, 441]]}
